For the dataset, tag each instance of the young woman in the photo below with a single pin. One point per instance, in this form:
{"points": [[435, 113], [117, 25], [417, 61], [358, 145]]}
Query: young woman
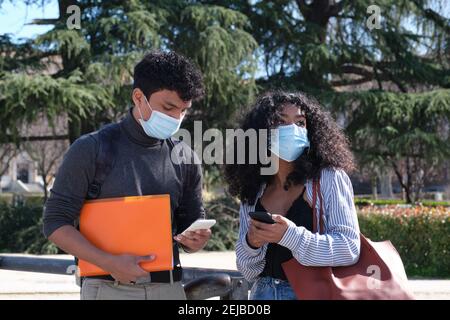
{"points": [[309, 145]]}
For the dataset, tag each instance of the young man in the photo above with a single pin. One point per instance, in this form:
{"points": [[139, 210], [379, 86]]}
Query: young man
{"points": [[165, 84]]}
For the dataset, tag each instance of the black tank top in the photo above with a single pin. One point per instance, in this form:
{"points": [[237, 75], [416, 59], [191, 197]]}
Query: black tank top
{"points": [[301, 214]]}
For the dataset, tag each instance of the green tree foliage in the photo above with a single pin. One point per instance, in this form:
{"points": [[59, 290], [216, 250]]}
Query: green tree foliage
{"points": [[216, 39], [391, 84], [369, 76], [95, 64], [406, 131]]}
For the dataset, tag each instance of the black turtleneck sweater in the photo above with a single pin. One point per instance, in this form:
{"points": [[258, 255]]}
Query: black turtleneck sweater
{"points": [[142, 167]]}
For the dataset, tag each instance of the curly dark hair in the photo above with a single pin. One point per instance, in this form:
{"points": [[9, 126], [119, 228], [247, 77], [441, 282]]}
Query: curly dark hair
{"points": [[168, 70], [328, 145]]}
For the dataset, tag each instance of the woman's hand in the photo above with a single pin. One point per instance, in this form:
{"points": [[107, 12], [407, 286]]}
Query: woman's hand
{"points": [[266, 232], [253, 238]]}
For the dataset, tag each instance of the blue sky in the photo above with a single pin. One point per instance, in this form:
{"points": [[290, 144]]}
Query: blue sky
{"points": [[14, 17]]}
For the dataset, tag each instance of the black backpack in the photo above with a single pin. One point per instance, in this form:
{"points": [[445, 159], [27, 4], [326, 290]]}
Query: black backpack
{"points": [[106, 157]]}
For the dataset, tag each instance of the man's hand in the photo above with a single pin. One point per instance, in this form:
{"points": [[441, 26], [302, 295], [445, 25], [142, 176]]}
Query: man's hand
{"points": [[194, 240], [125, 268], [265, 232]]}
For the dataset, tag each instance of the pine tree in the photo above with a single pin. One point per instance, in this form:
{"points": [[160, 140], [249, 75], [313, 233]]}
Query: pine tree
{"points": [[93, 82], [391, 83]]}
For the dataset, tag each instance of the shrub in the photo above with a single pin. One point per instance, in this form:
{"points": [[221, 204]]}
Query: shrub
{"points": [[224, 234], [33, 199], [21, 230], [420, 235], [362, 202]]}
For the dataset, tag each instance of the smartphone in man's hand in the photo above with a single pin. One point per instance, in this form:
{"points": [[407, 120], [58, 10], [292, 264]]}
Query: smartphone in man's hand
{"points": [[200, 224]]}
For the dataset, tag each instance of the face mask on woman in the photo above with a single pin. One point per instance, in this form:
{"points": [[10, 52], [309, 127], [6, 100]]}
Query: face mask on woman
{"points": [[289, 142], [159, 125]]}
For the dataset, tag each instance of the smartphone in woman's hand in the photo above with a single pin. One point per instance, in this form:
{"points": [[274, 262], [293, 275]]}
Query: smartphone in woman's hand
{"points": [[262, 216]]}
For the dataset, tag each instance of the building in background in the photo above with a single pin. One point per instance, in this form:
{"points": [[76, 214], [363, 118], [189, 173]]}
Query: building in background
{"points": [[22, 176]]}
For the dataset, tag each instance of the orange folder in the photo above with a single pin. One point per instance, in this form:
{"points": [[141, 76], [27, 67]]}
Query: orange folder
{"points": [[133, 225]]}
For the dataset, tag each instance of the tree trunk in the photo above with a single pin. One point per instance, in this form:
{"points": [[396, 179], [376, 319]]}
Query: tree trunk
{"points": [[408, 197], [386, 184], [373, 182], [317, 15], [406, 186], [409, 182], [45, 187]]}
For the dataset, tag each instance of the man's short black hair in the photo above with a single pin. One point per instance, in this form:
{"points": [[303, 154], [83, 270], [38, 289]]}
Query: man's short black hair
{"points": [[168, 70]]}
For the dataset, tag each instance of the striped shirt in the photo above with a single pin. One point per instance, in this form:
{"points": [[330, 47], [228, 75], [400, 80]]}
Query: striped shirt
{"points": [[338, 246]]}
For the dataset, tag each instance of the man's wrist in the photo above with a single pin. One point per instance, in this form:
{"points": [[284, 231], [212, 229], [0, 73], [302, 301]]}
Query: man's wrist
{"points": [[186, 249], [106, 261]]}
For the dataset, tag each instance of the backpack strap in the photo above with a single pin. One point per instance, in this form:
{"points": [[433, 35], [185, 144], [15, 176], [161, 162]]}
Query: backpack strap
{"points": [[105, 158], [172, 144], [104, 163]]}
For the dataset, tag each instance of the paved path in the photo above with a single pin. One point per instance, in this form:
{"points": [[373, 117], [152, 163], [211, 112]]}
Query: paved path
{"points": [[30, 285]]}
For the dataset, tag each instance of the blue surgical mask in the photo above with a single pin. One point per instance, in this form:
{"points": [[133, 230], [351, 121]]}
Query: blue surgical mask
{"points": [[159, 125], [289, 142]]}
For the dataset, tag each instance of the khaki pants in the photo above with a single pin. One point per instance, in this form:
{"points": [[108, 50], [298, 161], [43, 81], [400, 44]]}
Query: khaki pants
{"points": [[98, 289]]}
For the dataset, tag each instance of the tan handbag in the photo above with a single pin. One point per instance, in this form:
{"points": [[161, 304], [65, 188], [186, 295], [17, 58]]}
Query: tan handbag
{"points": [[379, 273]]}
